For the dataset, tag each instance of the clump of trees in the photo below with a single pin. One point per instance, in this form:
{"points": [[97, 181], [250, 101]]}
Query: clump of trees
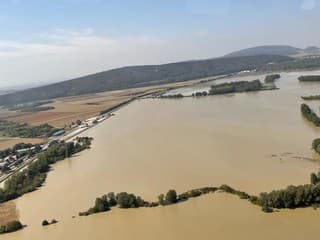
{"points": [[35, 174], [11, 227], [24, 130], [234, 87], [46, 222], [312, 78], [310, 115], [293, 196], [271, 78]]}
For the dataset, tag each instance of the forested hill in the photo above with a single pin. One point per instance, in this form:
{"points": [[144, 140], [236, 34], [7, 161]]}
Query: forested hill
{"points": [[141, 76]]}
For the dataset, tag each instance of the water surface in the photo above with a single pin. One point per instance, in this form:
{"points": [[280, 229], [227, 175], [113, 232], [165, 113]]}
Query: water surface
{"points": [[252, 141]]}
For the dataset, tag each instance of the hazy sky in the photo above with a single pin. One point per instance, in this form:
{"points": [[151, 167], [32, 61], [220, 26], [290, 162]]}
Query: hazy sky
{"points": [[53, 40]]}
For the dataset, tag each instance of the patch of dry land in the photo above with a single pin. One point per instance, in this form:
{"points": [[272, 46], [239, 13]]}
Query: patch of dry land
{"points": [[8, 213], [10, 142]]}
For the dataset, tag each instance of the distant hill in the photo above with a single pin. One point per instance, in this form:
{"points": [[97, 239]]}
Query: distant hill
{"points": [[141, 76], [281, 50]]}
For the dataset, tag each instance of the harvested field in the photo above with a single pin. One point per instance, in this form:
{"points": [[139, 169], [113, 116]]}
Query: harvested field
{"points": [[10, 142], [8, 212]]}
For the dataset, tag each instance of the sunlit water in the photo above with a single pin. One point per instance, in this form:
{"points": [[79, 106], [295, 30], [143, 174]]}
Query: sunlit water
{"points": [[252, 141]]}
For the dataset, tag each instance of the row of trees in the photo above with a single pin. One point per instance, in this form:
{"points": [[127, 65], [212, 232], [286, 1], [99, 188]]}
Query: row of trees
{"points": [[290, 197], [35, 174], [129, 200]]}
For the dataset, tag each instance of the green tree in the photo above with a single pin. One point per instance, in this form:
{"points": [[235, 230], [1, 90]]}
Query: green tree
{"points": [[161, 199], [171, 197], [314, 179]]}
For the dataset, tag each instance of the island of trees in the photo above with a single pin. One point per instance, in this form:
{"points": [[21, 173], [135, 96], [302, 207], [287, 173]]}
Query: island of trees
{"points": [[311, 97], [271, 78], [310, 115], [236, 87], [312, 78], [35, 174]]}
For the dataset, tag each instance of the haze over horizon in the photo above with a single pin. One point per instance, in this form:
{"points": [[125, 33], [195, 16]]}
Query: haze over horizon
{"points": [[39, 45]]}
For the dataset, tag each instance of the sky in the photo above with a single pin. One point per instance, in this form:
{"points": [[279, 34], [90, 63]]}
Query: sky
{"points": [[44, 41]]}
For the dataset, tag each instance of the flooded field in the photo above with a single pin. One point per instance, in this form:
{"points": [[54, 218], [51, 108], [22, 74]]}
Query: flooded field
{"points": [[252, 141]]}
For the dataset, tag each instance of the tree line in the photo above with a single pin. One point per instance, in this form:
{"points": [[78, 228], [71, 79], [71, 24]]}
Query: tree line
{"points": [[129, 200]]}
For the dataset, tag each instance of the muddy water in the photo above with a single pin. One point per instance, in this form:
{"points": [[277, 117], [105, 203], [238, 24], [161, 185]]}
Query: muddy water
{"points": [[252, 141]]}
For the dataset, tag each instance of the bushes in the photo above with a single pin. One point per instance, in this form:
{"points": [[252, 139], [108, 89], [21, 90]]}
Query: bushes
{"points": [[46, 223], [229, 189]]}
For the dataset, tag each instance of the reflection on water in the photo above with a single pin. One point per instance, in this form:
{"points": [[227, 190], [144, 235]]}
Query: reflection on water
{"points": [[251, 141]]}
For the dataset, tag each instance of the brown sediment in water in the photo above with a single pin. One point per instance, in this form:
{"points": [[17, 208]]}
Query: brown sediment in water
{"points": [[154, 145]]}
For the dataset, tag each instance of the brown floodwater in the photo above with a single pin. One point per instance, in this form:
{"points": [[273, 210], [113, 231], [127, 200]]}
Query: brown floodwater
{"points": [[252, 141]]}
